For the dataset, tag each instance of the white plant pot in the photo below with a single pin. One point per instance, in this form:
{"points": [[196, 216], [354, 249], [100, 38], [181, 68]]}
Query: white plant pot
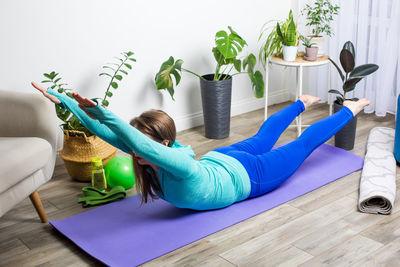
{"points": [[319, 41], [289, 53]]}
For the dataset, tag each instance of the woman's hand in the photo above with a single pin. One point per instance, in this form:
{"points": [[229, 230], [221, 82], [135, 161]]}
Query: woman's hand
{"points": [[52, 98], [82, 101]]}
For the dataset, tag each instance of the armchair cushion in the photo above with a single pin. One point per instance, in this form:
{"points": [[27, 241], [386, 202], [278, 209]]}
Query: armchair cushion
{"points": [[20, 157]]}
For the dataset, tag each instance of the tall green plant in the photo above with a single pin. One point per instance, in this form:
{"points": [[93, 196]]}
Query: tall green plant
{"points": [[320, 15], [288, 34], [71, 122], [226, 54], [352, 75], [273, 43], [117, 69]]}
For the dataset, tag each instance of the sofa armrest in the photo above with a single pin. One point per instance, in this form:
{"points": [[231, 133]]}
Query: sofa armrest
{"points": [[28, 115]]}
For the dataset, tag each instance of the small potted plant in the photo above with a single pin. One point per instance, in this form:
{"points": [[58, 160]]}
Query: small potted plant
{"points": [[289, 38], [352, 75], [311, 51], [319, 17], [272, 44], [80, 145], [216, 88]]}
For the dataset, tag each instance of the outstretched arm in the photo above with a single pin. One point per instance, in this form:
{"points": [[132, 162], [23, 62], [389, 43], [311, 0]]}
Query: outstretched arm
{"points": [[93, 125], [170, 159]]}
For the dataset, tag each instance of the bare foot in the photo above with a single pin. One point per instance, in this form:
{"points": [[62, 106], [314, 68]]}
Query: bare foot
{"points": [[356, 106], [308, 100]]}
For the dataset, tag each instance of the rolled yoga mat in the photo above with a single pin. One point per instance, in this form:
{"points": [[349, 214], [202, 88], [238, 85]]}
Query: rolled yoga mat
{"points": [[122, 234], [378, 178]]}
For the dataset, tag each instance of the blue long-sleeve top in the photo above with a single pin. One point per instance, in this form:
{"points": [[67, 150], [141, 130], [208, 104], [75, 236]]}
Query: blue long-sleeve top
{"points": [[214, 181]]}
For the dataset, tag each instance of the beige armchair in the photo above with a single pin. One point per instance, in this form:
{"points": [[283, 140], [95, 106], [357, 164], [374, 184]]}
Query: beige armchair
{"points": [[29, 139]]}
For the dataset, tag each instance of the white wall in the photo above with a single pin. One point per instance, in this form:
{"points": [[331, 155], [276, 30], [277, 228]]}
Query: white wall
{"points": [[76, 38]]}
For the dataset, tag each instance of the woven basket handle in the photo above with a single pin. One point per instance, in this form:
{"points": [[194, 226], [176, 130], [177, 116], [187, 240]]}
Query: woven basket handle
{"points": [[79, 133]]}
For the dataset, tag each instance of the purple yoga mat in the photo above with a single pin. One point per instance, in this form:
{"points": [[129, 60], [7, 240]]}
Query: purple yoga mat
{"points": [[121, 234]]}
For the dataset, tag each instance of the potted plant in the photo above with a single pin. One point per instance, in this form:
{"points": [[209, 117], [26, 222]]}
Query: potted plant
{"points": [[80, 145], [289, 38], [311, 51], [352, 75], [272, 44], [216, 88], [319, 16]]}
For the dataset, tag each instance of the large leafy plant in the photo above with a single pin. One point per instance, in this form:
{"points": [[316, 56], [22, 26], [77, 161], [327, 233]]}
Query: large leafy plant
{"points": [[352, 75], [320, 15], [288, 34], [115, 74], [226, 53]]}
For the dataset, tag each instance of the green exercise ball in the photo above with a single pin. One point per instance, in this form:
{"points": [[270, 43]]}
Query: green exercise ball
{"points": [[119, 171]]}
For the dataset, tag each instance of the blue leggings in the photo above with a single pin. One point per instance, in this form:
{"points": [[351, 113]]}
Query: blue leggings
{"points": [[268, 168]]}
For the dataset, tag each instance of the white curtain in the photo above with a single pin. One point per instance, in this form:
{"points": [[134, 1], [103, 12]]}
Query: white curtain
{"points": [[374, 28]]}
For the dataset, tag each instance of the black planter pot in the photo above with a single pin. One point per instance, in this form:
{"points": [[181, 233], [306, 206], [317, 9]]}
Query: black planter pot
{"points": [[216, 100], [346, 136]]}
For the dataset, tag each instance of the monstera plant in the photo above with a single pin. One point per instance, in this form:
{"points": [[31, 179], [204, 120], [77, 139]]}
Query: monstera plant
{"points": [[350, 76], [216, 88]]}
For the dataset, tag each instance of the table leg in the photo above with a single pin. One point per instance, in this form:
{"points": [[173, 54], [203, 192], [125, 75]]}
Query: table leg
{"points": [[330, 87], [266, 90], [300, 92]]}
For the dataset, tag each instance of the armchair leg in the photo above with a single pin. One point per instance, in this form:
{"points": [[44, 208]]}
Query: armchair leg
{"points": [[37, 203]]}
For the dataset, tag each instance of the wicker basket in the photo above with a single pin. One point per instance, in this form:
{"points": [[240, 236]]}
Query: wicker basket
{"points": [[78, 151]]}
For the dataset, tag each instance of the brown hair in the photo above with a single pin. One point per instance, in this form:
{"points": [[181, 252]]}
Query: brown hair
{"points": [[160, 126]]}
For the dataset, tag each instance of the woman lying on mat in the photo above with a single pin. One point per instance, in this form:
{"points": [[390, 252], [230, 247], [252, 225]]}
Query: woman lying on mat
{"points": [[226, 175]]}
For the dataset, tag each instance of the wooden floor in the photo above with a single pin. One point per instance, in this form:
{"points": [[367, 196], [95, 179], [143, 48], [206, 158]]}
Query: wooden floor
{"points": [[322, 227]]}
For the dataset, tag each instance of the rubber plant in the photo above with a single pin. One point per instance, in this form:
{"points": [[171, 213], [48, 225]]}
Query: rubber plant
{"points": [[226, 53], [351, 75], [115, 73]]}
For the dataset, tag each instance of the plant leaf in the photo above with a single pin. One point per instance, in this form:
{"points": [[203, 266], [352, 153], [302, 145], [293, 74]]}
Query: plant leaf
{"points": [[106, 74], [114, 85], [108, 67], [249, 62], [123, 71], [109, 94], [56, 80], [46, 81], [339, 100], [258, 84], [47, 76], [229, 45], [363, 70], [118, 77], [237, 64], [350, 47], [350, 83], [128, 66], [347, 60], [163, 78], [132, 59], [105, 103], [338, 69], [333, 91], [219, 57], [129, 53]]}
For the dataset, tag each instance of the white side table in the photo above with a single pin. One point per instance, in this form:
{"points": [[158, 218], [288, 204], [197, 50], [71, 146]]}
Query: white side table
{"points": [[299, 63]]}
